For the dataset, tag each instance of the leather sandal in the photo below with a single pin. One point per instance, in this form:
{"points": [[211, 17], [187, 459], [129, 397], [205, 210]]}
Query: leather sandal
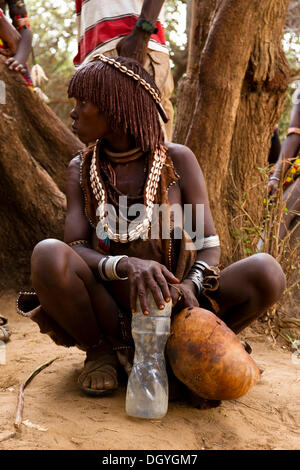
{"points": [[106, 365]]}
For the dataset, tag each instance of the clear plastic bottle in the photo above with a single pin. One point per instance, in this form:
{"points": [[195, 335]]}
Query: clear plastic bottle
{"points": [[147, 390]]}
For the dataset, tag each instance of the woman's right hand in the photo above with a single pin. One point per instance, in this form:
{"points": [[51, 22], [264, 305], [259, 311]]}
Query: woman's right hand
{"points": [[143, 275]]}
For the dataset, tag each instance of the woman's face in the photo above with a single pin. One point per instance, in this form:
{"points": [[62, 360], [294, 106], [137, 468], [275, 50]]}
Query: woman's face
{"points": [[88, 122]]}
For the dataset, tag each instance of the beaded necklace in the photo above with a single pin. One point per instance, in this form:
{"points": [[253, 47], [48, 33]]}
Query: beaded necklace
{"points": [[141, 229]]}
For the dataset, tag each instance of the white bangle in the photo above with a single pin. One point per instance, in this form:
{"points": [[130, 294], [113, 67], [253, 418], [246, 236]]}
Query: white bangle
{"points": [[210, 242], [100, 268], [109, 273]]}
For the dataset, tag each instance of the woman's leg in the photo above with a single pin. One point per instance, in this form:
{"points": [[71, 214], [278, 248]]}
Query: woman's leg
{"points": [[247, 289], [70, 294]]}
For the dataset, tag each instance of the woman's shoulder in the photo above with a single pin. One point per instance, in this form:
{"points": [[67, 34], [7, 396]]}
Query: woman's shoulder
{"points": [[182, 157]]}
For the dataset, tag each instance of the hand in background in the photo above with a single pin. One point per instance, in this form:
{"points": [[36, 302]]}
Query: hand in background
{"points": [[14, 64]]}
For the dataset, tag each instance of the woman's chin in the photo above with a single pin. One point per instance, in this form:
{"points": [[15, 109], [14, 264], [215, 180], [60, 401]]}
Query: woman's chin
{"points": [[82, 138]]}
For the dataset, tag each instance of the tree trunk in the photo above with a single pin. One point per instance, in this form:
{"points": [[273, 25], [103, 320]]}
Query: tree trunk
{"points": [[35, 149], [188, 88], [243, 75]]}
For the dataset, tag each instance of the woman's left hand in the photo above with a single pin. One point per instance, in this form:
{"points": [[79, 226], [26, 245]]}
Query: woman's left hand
{"points": [[184, 293], [14, 64]]}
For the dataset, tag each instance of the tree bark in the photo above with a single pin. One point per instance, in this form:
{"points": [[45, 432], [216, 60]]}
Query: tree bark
{"points": [[243, 75], [201, 15], [35, 148]]}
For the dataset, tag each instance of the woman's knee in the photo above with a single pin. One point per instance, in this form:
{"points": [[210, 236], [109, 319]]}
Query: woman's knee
{"points": [[49, 262], [267, 277]]}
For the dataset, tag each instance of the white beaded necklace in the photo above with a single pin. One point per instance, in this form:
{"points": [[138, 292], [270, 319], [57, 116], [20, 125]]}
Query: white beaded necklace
{"points": [[141, 229]]}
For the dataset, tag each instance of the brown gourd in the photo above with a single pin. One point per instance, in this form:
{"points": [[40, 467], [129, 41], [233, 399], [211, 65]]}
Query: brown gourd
{"points": [[208, 357]]}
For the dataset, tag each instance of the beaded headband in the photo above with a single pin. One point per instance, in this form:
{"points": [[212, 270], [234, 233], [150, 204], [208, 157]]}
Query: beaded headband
{"points": [[138, 78]]}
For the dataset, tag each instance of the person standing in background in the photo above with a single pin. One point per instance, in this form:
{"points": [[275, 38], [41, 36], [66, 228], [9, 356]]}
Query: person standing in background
{"points": [[289, 164], [128, 28], [17, 58]]}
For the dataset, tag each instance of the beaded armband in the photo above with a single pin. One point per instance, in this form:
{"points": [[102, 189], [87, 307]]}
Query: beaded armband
{"points": [[79, 242]]}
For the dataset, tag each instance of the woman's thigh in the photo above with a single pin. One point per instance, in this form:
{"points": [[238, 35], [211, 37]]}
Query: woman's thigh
{"points": [[256, 281]]}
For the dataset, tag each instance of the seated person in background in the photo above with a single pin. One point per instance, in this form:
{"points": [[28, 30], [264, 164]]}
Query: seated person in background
{"points": [[87, 285], [17, 58], [289, 159]]}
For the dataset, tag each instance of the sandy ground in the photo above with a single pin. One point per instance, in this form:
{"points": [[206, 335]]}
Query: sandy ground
{"points": [[267, 417]]}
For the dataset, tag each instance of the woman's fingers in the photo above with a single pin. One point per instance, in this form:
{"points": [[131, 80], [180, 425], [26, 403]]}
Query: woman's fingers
{"points": [[152, 277], [169, 276], [157, 293], [175, 295], [141, 292], [133, 296], [161, 281]]}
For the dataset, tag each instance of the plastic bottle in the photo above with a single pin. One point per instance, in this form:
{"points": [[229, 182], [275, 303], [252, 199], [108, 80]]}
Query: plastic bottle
{"points": [[147, 390]]}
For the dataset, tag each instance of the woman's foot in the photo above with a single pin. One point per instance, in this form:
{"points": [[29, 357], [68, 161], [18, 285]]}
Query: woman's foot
{"points": [[99, 375]]}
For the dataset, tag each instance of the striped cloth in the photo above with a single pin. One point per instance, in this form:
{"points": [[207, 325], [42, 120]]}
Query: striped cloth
{"points": [[102, 23]]}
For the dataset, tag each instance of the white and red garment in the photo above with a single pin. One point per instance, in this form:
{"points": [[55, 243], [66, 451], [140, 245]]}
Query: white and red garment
{"points": [[102, 23]]}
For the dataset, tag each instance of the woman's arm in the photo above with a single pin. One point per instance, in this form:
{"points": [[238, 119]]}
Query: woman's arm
{"points": [[194, 192], [76, 224]]}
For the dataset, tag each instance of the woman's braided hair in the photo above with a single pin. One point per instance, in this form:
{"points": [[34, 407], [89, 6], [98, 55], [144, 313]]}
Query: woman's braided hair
{"points": [[127, 105]]}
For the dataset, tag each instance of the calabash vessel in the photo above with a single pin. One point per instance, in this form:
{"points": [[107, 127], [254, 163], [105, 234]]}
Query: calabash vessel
{"points": [[208, 357]]}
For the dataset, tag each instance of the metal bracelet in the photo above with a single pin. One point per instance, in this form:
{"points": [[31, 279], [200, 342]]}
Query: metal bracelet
{"points": [[108, 271], [274, 178], [196, 277], [100, 268], [202, 265], [117, 259]]}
